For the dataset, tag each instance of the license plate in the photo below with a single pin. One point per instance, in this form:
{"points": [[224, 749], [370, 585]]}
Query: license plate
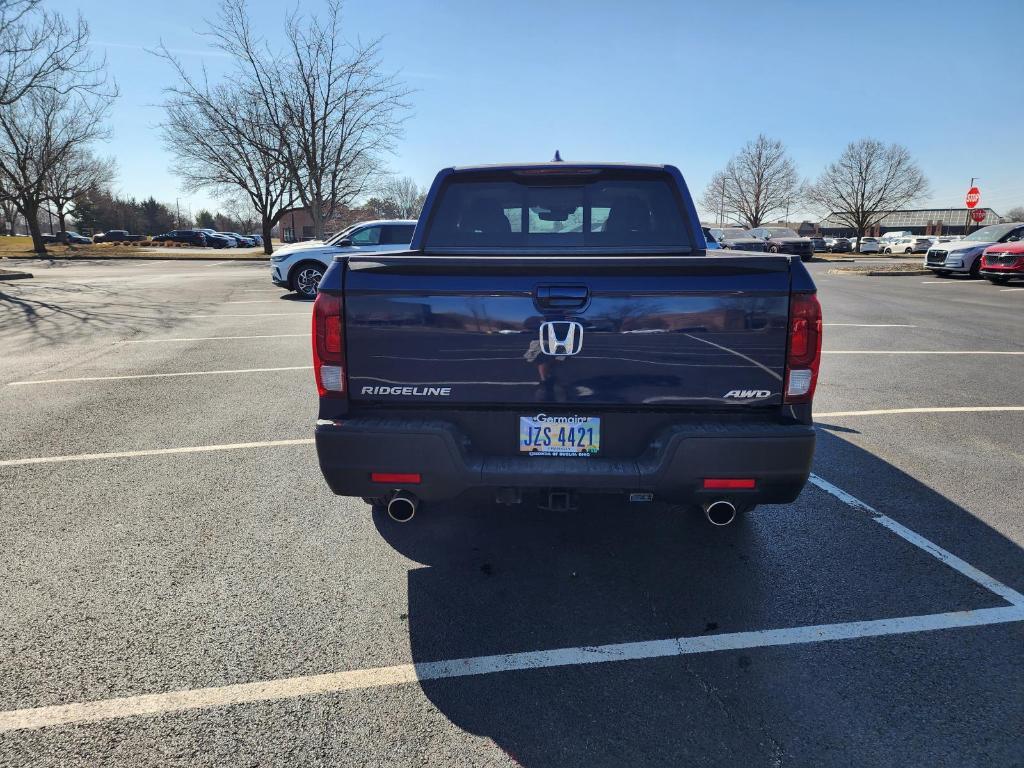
{"points": [[544, 435]]}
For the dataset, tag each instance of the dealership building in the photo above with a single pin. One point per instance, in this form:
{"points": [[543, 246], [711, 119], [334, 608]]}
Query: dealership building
{"points": [[921, 221]]}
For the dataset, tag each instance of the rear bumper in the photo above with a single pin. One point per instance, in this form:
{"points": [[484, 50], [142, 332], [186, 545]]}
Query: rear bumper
{"points": [[672, 467]]}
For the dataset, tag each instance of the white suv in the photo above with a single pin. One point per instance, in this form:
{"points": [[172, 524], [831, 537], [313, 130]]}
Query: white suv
{"points": [[913, 244], [300, 267], [867, 245]]}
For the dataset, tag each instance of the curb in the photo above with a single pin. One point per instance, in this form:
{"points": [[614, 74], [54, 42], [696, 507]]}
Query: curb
{"points": [[882, 272], [169, 256], [8, 275], [887, 273]]}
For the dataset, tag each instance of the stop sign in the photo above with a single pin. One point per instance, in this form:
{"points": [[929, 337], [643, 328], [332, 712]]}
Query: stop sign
{"points": [[978, 215], [973, 197]]}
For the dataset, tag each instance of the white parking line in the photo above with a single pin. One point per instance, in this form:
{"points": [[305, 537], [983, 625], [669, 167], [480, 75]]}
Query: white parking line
{"points": [[160, 375], [380, 677], [256, 301], [151, 452], [400, 674], [869, 325], [213, 338], [218, 263], [1012, 290], [919, 541], [887, 411], [266, 314], [915, 352]]}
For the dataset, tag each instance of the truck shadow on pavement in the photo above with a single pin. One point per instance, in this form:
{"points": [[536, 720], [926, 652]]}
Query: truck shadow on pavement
{"points": [[500, 581]]}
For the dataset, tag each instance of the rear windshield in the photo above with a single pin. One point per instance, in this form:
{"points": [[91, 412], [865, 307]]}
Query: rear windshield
{"points": [[557, 212]]}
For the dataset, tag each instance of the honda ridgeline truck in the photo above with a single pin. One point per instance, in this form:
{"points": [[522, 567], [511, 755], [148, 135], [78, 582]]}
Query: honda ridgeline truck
{"points": [[557, 329]]}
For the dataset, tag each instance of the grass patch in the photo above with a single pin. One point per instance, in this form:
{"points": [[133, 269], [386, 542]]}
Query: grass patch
{"points": [[878, 270], [20, 247]]}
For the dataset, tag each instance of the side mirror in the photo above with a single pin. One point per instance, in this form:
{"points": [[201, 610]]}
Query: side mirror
{"points": [[344, 242]]}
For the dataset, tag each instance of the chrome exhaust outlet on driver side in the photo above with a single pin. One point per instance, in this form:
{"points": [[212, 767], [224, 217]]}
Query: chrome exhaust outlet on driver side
{"points": [[402, 506], [720, 512]]}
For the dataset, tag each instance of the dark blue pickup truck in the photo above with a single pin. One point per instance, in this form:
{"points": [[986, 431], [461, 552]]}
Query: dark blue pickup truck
{"points": [[557, 329]]}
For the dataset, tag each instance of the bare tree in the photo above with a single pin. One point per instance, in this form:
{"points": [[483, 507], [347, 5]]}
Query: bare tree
{"points": [[869, 180], [338, 113], [380, 208], [761, 180], [38, 48], [222, 140], [8, 214], [1015, 214], [403, 195], [713, 200], [240, 211], [56, 98], [38, 134], [76, 174]]}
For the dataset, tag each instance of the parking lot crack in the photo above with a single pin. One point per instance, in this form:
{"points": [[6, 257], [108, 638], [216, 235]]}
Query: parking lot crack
{"points": [[774, 749]]}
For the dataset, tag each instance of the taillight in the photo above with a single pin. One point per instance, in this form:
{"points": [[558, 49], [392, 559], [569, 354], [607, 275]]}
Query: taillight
{"points": [[329, 345], [804, 352]]}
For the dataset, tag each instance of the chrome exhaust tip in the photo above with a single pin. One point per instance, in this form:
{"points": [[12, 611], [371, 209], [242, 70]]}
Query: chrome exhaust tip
{"points": [[720, 512], [402, 506]]}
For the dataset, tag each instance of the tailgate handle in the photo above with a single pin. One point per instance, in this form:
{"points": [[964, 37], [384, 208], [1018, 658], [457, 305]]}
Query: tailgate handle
{"points": [[562, 296]]}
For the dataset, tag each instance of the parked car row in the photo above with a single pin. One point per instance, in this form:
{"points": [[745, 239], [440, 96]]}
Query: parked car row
{"points": [[995, 252], [209, 238], [785, 240], [761, 239], [202, 238]]}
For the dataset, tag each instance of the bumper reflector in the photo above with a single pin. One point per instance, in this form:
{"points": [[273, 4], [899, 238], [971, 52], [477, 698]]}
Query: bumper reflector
{"points": [[729, 483], [409, 478]]}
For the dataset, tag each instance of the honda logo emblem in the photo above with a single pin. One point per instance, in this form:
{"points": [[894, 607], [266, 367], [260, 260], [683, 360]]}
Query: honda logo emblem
{"points": [[562, 337]]}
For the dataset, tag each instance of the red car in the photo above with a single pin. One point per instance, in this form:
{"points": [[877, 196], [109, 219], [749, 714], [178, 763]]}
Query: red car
{"points": [[1003, 262]]}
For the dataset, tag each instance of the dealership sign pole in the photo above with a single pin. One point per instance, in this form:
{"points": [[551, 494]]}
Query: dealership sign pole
{"points": [[973, 198]]}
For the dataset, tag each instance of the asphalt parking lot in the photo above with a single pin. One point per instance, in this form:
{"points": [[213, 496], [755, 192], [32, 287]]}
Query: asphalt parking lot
{"points": [[183, 589]]}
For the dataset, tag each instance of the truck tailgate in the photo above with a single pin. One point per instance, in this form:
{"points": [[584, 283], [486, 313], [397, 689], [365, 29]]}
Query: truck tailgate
{"points": [[702, 332]]}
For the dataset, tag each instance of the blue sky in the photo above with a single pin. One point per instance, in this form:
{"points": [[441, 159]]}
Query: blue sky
{"points": [[680, 82]]}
